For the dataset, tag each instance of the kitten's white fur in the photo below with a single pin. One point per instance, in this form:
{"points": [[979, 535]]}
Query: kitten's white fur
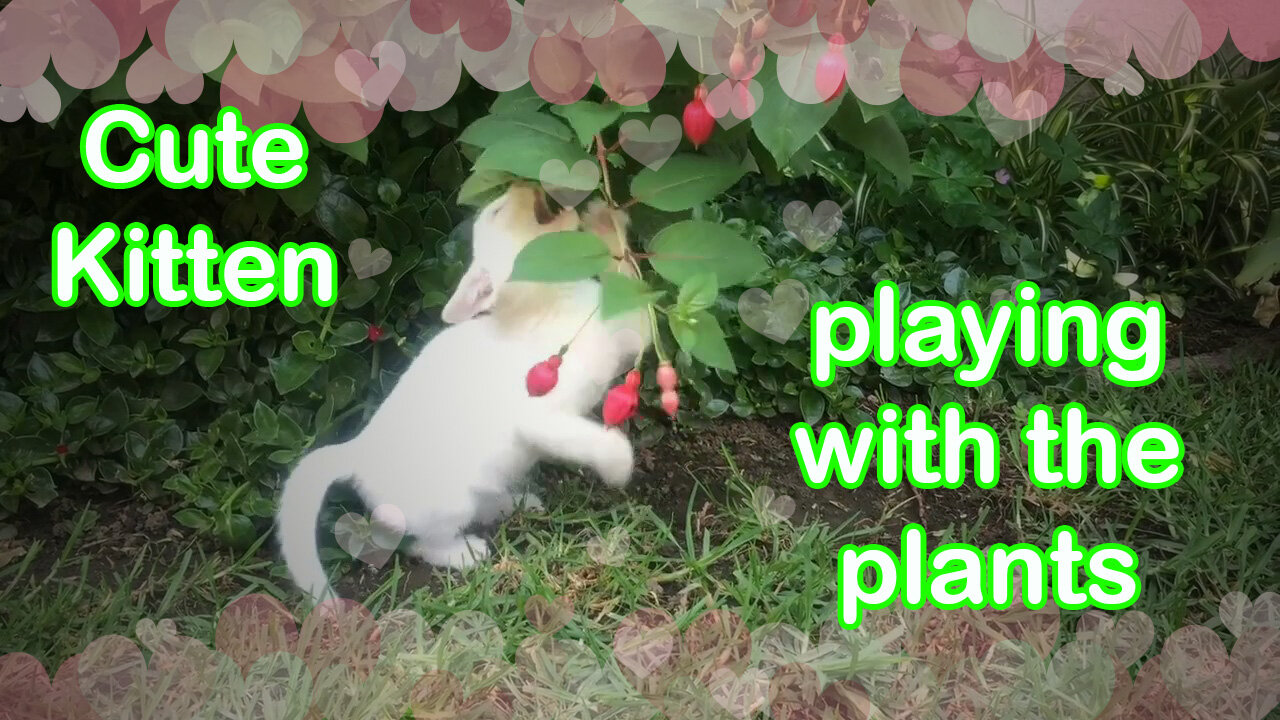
{"points": [[459, 432]]}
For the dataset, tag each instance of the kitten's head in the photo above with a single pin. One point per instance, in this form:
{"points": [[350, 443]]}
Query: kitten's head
{"points": [[501, 231]]}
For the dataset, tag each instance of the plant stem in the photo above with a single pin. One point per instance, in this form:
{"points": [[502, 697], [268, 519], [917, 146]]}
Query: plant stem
{"points": [[657, 341], [604, 169]]}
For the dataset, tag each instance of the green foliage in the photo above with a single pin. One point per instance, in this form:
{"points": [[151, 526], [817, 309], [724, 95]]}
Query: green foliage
{"points": [[209, 406]]}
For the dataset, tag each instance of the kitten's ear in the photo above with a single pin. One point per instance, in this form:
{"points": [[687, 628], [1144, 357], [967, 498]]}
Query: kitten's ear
{"points": [[475, 294]]}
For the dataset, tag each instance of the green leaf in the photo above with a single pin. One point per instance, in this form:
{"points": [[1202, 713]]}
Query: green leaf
{"points": [[167, 361], [209, 360], [878, 138], [97, 322], [179, 394], [588, 118], [40, 488], [812, 405], [524, 157], [482, 187], [302, 197], [524, 126], [1263, 259], [782, 124], [620, 294], [523, 99], [561, 257], [697, 293], [264, 422], [388, 191], [340, 216], [194, 519], [358, 150], [685, 181], [447, 171], [695, 247], [709, 346], [292, 370], [349, 333]]}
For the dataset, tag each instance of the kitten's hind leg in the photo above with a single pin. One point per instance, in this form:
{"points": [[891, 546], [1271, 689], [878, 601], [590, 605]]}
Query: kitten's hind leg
{"points": [[577, 440], [439, 539]]}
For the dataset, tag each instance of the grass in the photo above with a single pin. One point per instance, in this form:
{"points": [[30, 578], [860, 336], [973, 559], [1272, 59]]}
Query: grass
{"points": [[1215, 531]]}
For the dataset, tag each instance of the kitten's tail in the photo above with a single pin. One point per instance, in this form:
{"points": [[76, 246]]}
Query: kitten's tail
{"points": [[300, 505]]}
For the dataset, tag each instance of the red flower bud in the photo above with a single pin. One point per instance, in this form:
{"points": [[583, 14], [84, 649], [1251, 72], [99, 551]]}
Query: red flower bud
{"points": [[667, 376], [542, 378], [620, 404], [670, 402], [61, 449], [375, 333], [831, 69], [698, 121], [760, 28]]}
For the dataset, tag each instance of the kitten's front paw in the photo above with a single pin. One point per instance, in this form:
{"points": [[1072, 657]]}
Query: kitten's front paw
{"points": [[617, 459]]}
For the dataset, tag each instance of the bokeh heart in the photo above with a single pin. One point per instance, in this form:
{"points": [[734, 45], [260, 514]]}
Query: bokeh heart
{"points": [[374, 538], [569, 186], [366, 262], [813, 227], [372, 83], [653, 145], [611, 549], [776, 315]]}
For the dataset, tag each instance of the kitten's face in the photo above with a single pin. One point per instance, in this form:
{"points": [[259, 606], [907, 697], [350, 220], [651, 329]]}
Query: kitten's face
{"points": [[500, 231]]}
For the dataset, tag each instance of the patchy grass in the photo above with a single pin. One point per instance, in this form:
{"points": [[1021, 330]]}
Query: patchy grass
{"points": [[718, 543]]}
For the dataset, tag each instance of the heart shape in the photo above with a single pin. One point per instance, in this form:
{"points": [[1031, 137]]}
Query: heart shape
{"points": [[371, 539], [1002, 128], [612, 549], [778, 315], [366, 262], [742, 696], [1076, 684], [1143, 697], [673, 673], [179, 678], [1126, 638], [28, 693], [1240, 615], [372, 83], [1207, 682], [651, 146], [547, 615], [796, 693], [813, 227], [1126, 79], [153, 73], [730, 102], [569, 186], [772, 509]]}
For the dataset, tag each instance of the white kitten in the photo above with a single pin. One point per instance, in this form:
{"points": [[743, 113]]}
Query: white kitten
{"points": [[460, 430]]}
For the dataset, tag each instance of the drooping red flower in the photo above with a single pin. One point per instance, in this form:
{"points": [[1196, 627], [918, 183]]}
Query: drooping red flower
{"points": [[670, 402], [375, 333], [667, 378], [831, 69], [542, 378], [698, 121], [621, 402]]}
